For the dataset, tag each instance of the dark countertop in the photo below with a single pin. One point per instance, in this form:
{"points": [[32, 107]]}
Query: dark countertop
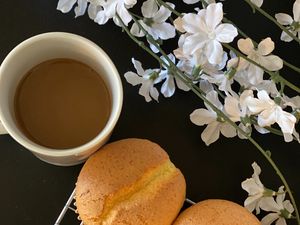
{"points": [[33, 192]]}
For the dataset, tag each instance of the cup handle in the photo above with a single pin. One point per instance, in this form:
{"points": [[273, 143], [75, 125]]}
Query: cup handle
{"points": [[2, 129]]}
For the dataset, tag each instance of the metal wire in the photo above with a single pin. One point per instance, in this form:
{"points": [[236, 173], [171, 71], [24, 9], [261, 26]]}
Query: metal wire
{"points": [[68, 206]]}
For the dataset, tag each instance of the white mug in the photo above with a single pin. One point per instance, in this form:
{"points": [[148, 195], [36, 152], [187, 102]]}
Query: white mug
{"points": [[44, 47]]}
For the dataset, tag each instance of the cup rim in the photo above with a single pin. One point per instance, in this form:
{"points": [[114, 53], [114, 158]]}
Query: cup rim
{"points": [[114, 116]]}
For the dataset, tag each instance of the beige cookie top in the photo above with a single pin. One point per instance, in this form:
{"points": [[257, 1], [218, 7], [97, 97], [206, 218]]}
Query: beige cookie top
{"points": [[118, 170], [216, 212]]}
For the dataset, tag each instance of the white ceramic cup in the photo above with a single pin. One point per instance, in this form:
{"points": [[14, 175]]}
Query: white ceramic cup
{"points": [[49, 46]]}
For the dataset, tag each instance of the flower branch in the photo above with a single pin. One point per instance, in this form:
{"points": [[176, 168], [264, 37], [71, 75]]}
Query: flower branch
{"points": [[264, 13], [274, 75]]}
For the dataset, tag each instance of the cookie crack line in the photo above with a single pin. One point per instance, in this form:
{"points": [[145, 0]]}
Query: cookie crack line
{"points": [[148, 184]]}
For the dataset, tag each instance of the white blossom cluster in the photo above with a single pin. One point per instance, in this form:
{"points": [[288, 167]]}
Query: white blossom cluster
{"points": [[238, 87], [262, 198], [256, 103]]}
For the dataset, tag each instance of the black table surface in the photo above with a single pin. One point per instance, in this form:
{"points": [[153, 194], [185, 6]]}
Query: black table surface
{"points": [[34, 192]]}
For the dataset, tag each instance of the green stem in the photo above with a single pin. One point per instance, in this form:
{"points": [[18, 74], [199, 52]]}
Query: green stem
{"points": [[172, 67], [273, 75], [268, 16]]}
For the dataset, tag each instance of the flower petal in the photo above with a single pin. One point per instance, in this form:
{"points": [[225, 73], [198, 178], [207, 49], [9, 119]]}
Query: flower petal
{"points": [[80, 8], [163, 13], [285, 37], [225, 33], [258, 3], [288, 137], [271, 62], [283, 18], [214, 15], [266, 46], [251, 202], [154, 93], [145, 89], [206, 86], [190, 1], [65, 5], [178, 23], [252, 187], [149, 8], [201, 117], [214, 52], [270, 205], [288, 206], [93, 9], [286, 121], [138, 66], [254, 105], [164, 30], [136, 31], [296, 11], [181, 85], [263, 95], [194, 42], [255, 74], [130, 3], [269, 219], [266, 118], [212, 96], [246, 45], [168, 87], [211, 133], [101, 17], [231, 106], [192, 23], [124, 14], [261, 130], [281, 221], [247, 129], [133, 78], [228, 130]]}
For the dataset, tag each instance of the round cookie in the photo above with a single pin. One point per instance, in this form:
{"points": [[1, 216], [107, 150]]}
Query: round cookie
{"points": [[216, 212], [129, 182]]}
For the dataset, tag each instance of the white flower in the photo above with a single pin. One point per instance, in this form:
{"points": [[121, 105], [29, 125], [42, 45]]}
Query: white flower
{"points": [[290, 137], [293, 102], [66, 5], [280, 209], [198, 59], [154, 21], [190, 1], [94, 9], [195, 1], [215, 125], [258, 3], [113, 7], [206, 33], [256, 190], [269, 112], [292, 24], [168, 87], [224, 84], [261, 55], [237, 110], [147, 78]]}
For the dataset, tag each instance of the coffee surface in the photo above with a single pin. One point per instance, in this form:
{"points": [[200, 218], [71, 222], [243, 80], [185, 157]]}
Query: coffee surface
{"points": [[62, 103]]}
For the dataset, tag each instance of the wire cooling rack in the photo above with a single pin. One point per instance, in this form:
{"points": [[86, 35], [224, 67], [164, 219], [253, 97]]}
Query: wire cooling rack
{"points": [[70, 207]]}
